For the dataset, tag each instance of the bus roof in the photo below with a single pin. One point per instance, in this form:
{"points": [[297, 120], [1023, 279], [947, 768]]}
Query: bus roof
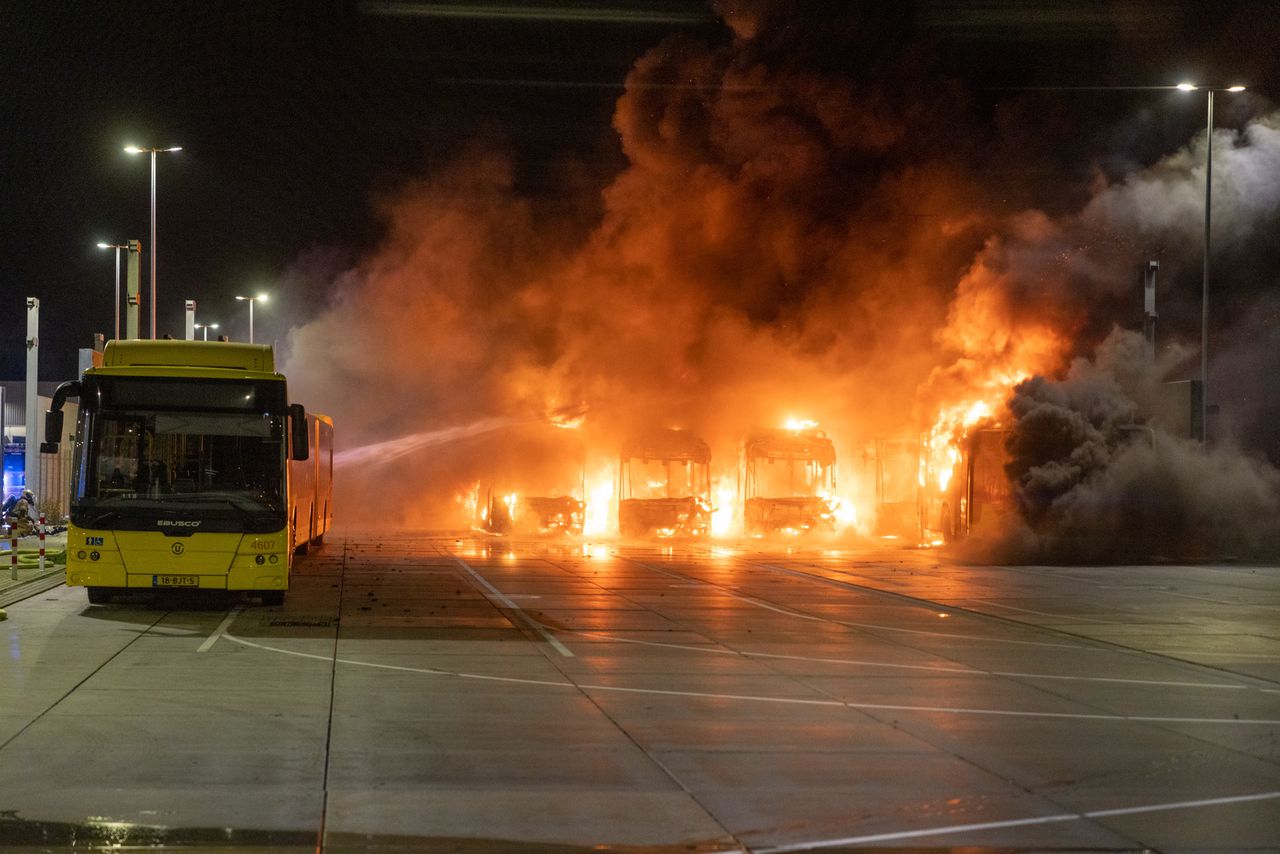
{"points": [[670, 445], [257, 358], [781, 444]]}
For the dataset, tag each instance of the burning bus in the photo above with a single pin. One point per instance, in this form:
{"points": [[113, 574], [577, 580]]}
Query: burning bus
{"points": [[789, 482], [535, 483], [664, 485], [893, 467], [969, 494], [514, 513]]}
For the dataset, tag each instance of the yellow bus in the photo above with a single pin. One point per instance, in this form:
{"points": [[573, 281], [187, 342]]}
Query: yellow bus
{"points": [[191, 470]]}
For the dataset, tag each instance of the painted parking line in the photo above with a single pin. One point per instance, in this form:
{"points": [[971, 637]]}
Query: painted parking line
{"points": [[515, 609], [897, 836], [757, 698], [927, 668], [220, 630]]}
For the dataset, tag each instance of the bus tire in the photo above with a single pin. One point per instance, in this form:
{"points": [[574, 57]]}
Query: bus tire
{"points": [[99, 595], [271, 598]]}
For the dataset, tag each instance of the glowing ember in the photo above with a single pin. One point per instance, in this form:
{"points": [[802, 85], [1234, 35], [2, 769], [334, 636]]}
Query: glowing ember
{"points": [[843, 511]]}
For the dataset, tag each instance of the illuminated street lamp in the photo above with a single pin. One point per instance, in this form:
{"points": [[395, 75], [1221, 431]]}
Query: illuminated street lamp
{"points": [[117, 247], [1204, 293], [206, 327], [251, 301], [134, 149]]}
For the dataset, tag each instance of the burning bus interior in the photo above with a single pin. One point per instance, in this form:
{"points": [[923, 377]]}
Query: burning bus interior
{"points": [[787, 484], [532, 482], [664, 485]]}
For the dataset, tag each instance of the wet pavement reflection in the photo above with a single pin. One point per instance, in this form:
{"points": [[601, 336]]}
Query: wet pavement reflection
{"points": [[424, 692]]}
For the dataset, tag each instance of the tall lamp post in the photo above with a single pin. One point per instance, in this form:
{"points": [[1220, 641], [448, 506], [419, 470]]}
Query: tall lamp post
{"points": [[251, 301], [206, 327], [1204, 292], [117, 247], [134, 149]]}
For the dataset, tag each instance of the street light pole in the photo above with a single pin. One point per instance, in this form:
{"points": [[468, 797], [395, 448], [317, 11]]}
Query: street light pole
{"points": [[117, 247], [251, 301], [1204, 286], [206, 327], [133, 149]]}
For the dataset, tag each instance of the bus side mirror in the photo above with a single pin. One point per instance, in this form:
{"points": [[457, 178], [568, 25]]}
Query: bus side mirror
{"points": [[299, 439], [52, 431], [53, 418]]}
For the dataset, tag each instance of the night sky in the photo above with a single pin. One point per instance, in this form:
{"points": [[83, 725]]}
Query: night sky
{"points": [[296, 119]]}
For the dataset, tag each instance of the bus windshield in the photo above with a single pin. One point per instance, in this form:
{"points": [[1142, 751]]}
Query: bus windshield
{"points": [[650, 479], [220, 464], [785, 478]]}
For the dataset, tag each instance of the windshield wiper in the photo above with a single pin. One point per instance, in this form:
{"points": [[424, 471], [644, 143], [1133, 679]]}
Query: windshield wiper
{"points": [[100, 520], [250, 509]]}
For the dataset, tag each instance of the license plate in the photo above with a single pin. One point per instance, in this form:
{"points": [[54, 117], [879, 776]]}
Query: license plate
{"points": [[175, 581]]}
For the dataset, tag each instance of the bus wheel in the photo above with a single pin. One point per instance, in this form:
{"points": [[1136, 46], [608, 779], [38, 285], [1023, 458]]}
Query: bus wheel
{"points": [[272, 597], [99, 595]]}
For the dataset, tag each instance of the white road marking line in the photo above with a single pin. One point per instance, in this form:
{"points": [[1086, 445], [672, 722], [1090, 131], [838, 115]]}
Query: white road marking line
{"points": [[799, 701], [220, 630], [1020, 822], [506, 601], [962, 671]]}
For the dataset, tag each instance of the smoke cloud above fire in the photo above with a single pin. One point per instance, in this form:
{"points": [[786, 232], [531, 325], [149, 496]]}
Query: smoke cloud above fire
{"points": [[782, 243], [1096, 479]]}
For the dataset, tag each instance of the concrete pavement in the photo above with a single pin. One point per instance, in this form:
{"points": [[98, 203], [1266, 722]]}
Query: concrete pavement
{"points": [[427, 693], [30, 578]]}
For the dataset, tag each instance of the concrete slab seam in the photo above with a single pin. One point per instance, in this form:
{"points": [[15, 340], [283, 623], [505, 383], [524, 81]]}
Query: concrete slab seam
{"points": [[847, 623], [970, 671], [962, 671], [838, 583], [430, 671], [1020, 822]]}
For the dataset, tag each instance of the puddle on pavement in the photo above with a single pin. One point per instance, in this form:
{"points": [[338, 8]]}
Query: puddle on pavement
{"points": [[19, 836]]}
